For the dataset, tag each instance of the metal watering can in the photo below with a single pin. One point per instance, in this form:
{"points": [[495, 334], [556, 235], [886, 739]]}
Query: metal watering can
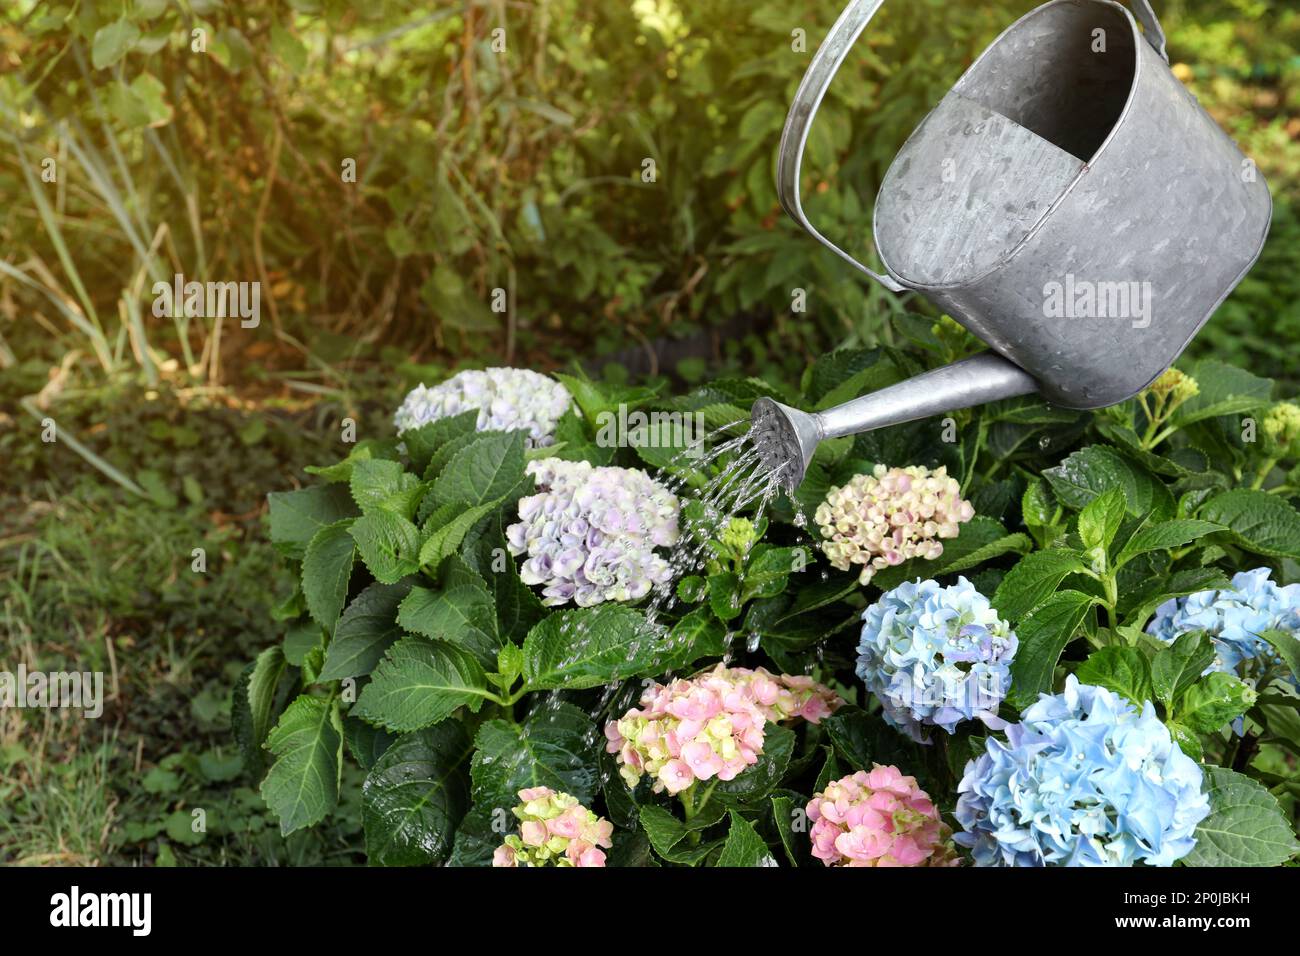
{"points": [[1069, 202]]}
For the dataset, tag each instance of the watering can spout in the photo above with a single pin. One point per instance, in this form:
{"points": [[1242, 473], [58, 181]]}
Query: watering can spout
{"points": [[786, 437]]}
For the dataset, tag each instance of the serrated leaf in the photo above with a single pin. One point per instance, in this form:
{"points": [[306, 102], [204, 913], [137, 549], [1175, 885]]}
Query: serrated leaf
{"points": [[1287, 647], [744, 847], [482, 473], [783, 813], [768, 571], [303, 783], [757, 781], [1033, 579], [326, 570], [1165, 535], [554, 747], [1124, 670], [1043, 635], [1246, 827], [589, 647], [1258, 521], [423, 441], [445, 538], [365, 631], [1177, 667], [415, 796], [1100, 519], [296, 516], [1091, 471], [667, 833], [366, 743], [724, 595], [1214, 701], [253, 704], [461, 615], [698, 634], [389, 545], [421, 682]]}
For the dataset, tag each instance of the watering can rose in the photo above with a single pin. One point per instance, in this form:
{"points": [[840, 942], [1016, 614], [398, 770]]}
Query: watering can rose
{"points": [[883, 519]]}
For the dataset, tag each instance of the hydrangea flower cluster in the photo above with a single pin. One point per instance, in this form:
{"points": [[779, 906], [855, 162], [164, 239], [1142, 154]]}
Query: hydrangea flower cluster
{"points": [[712, 725], [506, 399], [1279, 431], [590, 532], [878, 818], [1083, 780], [936, 656], [1234, 618], [554, 830], [882, 519]]}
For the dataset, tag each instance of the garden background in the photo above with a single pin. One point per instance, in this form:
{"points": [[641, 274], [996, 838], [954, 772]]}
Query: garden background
{"points": [[483, 160]]}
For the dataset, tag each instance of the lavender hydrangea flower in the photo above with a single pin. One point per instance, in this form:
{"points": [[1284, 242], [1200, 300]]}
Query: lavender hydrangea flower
{"points": [[590, 532], [936, 656], [1083, 780], [506, 399], [1234, 618]]}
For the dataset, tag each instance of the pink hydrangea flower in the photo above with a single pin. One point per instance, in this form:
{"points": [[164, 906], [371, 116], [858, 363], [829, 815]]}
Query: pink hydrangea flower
{"points": [[554, 830], [711, 725], [878, 818], [883, 519]]}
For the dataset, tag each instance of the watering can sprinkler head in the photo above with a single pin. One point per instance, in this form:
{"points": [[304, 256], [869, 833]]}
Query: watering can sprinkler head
{"points": [[786, 438]]}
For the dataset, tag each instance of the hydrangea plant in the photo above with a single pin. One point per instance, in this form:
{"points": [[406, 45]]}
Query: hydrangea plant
{"points": [[525, 644]]}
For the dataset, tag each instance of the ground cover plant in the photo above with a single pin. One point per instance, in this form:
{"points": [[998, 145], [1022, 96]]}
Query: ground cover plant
{"points": [[494, 623]]}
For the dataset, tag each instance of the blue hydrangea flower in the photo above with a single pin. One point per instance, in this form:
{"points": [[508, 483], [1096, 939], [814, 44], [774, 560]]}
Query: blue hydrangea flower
{"points": [[1083, 780], [936, 656], [1234, 618]]}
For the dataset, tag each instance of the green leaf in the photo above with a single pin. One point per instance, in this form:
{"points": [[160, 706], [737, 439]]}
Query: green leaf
{"points": [[444, 539], [1176, 667], [769, 570], [1096, 469], [1034, 578], [389, 545], [518, 608], [112, 42], [1043, 636], [757, 781], [366, 743], [1100, 519], [590, 647], [1287, 647], [724, 595], [422, 442], [420, 682], [1224, 390], [415, 796], [377, 483], [366, 630], [744, 847], [326, 570], [482, 473], [300, 640], [1258, 521], [1124, 670], [698, 634], [303, 784], [552, 748], [1187, 739], [849, 729], [1246, 827], [1215, 700], [462, 615], [1165, 535], [253, 704], [296, 516], [666, 832]]}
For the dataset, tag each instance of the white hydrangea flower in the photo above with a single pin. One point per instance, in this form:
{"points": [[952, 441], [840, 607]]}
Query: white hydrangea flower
{"points": [[506, 399], [590, 532]]}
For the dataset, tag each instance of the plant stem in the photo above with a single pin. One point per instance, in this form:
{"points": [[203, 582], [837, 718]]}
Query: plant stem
{"points": [[1262, 473]]}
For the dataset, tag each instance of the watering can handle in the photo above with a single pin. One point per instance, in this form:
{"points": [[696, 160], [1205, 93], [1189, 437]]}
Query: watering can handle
{"points": [[816, 81]]}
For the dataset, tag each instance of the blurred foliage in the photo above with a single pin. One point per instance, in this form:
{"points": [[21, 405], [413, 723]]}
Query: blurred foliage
{"points": [[507, 147]]}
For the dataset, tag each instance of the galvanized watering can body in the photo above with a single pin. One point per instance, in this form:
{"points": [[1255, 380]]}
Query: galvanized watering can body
{"points": [[1069, 202]]}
